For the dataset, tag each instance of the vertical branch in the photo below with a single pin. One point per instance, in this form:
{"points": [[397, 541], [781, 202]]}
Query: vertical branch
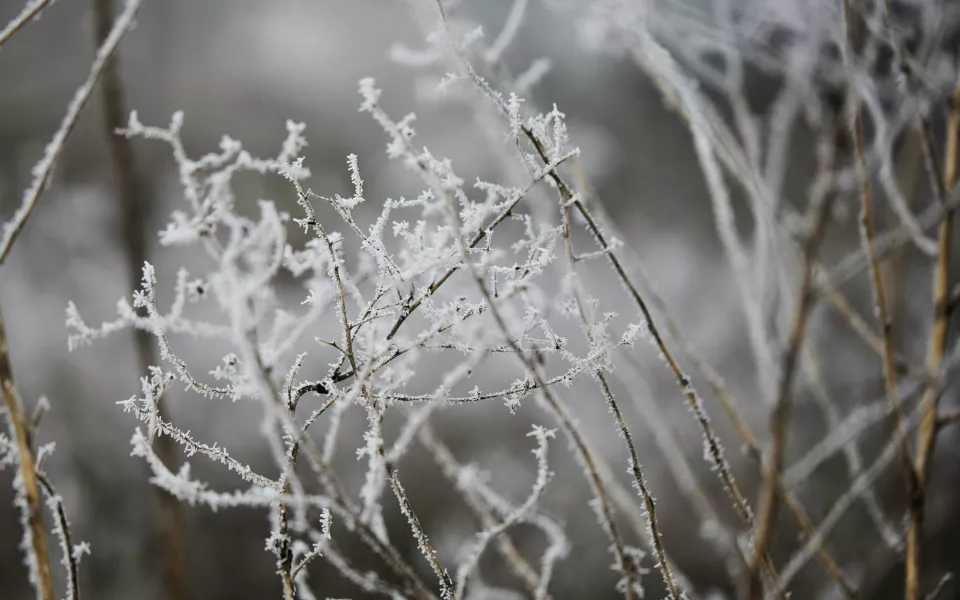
{"points": [[21, 429], [634, 461], [763, 529], [868, 233], [133, 199], [882, 311], [446, 584], [938, 342], [71, 556], [285, 558]]}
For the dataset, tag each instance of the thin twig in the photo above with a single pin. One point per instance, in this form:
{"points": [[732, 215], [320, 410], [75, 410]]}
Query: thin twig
{"points": [[721, 537], [446, 583], [43, 170], [31, 11], [133, 199], [31, 490], [625, 562], [927, 432], [368, 581], [752, 187], [948, 419], [70, 558], [844, 502], [763, 529], [730, 407], [946, 580], [634, 461], [504, 545], [869, 240], [888, 532], [491, 533]]}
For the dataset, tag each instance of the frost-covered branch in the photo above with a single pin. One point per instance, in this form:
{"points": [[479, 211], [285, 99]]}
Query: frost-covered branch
{"points": [[43, 170], [25, 484], [32, 10]]}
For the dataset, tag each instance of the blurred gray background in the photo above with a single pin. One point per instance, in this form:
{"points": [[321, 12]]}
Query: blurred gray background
{"points": [[241, 68]]}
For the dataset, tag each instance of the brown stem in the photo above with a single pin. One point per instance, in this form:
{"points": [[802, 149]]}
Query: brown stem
{"points": [[763, 529], [876, 276], [938, 342], [133, 200], [649, 507], [31, 489]]}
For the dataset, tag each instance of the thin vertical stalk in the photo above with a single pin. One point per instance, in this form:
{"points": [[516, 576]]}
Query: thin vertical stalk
{"points": [[868, 233], [133, 199], [20, 425], [763, 529], [927, 432]]}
